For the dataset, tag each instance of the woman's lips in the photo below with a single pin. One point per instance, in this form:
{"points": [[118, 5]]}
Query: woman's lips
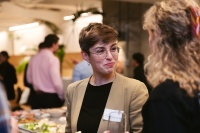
{"points": [[110, 64]]}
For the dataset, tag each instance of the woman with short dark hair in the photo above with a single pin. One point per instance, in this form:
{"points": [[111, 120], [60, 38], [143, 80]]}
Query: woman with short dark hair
{"points": [[90, 101]]}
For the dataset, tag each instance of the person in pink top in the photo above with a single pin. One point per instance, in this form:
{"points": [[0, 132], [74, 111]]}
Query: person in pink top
{"points": [[43, 73]]}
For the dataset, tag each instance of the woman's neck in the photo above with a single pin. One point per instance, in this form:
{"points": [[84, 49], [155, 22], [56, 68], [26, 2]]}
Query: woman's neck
{"points": [[98, 80]]}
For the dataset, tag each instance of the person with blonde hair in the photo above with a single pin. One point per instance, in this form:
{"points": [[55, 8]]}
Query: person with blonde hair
{"points": [[173, 68]]}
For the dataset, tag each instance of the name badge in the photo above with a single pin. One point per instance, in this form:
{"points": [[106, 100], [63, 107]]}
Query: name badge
{"points": [[112, 115]]}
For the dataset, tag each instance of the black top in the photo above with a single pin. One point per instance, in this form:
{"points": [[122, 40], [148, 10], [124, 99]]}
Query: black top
{"points": [[92, 108], [30, 100], [7, 71], [140, 75], [170, 110]]}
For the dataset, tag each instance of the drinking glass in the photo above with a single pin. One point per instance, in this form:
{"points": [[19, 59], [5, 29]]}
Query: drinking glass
{"points": [[117, 122]]}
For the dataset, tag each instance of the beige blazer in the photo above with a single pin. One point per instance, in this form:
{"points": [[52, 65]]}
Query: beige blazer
{"points": [[126, 94]]}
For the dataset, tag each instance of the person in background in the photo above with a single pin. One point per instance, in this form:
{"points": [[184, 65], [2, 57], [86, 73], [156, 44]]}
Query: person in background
{"points": [[120, 68], [138, 71], [81, 71], [7, 124], [43, 73], [31, 96], [7, 75], [4, 113], [89, 101], [173, 68]]}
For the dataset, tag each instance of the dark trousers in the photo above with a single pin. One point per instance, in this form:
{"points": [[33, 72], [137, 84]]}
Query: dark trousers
{"points": [[31, 97], [46, 100], [10, 92]]}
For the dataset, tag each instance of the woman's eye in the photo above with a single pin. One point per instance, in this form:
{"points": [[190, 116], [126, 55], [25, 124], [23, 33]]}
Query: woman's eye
{"points": [[113, 49], [100, 51]]}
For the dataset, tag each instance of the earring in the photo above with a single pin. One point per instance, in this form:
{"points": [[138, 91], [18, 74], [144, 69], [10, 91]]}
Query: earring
{"points": [[88, 64]]}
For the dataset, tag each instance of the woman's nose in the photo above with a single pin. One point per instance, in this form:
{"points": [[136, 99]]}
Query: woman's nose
{"points": [[108, 54]]}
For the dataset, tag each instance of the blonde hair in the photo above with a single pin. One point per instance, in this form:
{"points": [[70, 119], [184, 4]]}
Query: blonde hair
{"points": [[175, 52]]}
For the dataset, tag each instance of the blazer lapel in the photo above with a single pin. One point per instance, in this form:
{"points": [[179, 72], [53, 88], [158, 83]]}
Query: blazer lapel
{"points": [[79, 95], [115, 100]]}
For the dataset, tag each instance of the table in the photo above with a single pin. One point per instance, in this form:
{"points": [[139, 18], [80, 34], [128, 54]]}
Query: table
{"points": [[41, 116]]}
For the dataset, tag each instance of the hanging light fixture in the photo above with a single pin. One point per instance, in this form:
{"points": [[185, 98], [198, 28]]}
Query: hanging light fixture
{"points": [[70, 17], [28, 1], [83, 13]]}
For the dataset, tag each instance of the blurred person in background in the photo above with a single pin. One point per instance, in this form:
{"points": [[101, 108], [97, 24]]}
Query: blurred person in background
{"points": [[173, 68], [7, 124], [120, 68], [81, 71], [30, 100], [90, 100], [43, 73], [7, 75], [4, 112], [138, 71]]}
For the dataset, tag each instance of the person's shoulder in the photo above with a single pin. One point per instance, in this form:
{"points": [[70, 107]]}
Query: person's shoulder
{"points": [[10, 65], [131, 84], [73, 86], [35, 57], [48, 56], [78, 65], [168, 88], [83, 65], [45, 53], [129, 81], [32, 59]]}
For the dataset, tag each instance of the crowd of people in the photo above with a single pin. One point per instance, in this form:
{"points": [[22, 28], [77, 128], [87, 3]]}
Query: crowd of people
{"points": [[163, 96]]}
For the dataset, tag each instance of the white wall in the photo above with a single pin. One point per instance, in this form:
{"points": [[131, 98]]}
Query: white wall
{"points": [[24, 41], [21, 40], [5, 43]]}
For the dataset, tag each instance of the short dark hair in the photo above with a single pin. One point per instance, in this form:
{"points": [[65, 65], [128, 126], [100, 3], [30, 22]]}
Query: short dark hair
{"points": [[95, 33], [139, 57], [49, 40], [5, 54], [40, 46]]}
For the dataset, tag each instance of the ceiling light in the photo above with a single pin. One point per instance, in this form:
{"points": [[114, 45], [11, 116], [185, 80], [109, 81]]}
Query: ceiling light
{"points": [[70, 17], [28, 1], [85, 14], [25, 26]]}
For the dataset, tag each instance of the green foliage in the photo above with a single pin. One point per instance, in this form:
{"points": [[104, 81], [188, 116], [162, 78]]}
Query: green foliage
{"points": [[60, 53], [22, 65]]}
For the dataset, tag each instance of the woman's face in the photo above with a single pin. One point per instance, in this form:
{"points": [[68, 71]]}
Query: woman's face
{"points": [[103, 58], [2, 58], [55, 47]]}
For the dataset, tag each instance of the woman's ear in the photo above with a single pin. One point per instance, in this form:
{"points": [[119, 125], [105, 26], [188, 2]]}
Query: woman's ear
{"points": [[85, 56]]}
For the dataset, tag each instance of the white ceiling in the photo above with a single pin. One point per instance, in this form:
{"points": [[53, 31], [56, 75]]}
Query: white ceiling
{"points": [[15, 12], [58, 4]]}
